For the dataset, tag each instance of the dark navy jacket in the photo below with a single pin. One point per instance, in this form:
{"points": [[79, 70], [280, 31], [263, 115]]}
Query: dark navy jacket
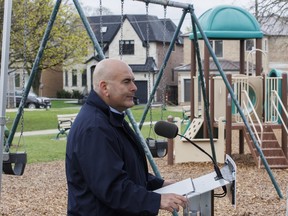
{"points": [[106, 168]]}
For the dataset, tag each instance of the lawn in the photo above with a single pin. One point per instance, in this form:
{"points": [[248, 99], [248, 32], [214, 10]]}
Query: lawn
{"points": [[44, 148]]}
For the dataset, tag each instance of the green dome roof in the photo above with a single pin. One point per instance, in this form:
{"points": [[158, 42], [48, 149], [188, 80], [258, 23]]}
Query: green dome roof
{"points": [[229, 22]]}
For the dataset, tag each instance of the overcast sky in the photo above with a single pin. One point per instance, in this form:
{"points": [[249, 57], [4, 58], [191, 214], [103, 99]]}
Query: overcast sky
{"points": [[138, 7]]}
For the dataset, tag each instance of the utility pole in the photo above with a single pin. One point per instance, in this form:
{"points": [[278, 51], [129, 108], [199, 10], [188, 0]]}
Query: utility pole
{"points": [[4, 75], [256, 10]]}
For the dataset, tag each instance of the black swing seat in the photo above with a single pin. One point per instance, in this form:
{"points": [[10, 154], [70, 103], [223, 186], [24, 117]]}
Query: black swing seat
{"points": [[158, 148], [14, 163]]}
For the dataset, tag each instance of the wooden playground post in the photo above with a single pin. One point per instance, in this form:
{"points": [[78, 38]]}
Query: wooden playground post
{"points": [[212, 104], [206, 78], [170, 145], [193, 74], [242, 57], [258, 57], [228, 118]]}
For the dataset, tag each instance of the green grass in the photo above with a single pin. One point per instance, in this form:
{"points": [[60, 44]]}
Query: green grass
{"points": [[42, 148], [45, 148], [42, 119]]}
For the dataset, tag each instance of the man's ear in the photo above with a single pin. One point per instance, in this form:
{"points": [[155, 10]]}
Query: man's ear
{"points": [[104, 88]]}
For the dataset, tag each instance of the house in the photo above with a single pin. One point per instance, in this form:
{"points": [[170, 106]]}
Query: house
{"points": [[139, 40]]}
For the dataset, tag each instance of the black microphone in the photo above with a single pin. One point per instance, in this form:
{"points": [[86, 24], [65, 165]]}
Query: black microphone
{"points": [[170, 131], [166, 129]]}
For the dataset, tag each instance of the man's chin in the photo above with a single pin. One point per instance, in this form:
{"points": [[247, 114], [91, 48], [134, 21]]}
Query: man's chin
{"points": [[131, 104]]}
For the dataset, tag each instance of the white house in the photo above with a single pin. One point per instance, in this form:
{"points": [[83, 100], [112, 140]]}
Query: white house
{"points": [[129, 42]]}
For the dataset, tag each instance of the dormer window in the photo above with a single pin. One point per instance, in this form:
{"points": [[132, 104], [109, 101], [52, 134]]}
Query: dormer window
{"points": [[104, 29]]}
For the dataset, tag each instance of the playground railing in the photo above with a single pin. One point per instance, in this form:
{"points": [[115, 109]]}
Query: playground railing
{"points": [[272, 84], [276, 101], [249, 112], [239, 84]]}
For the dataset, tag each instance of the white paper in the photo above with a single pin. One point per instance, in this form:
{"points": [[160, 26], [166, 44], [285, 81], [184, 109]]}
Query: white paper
{"points": [[181, 188]]}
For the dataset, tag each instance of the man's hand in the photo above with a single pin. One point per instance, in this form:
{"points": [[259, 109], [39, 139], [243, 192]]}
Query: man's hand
{"points": [[171, 202]]}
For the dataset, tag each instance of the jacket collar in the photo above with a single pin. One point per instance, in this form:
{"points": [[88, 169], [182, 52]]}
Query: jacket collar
{"points": [[115, 118]]}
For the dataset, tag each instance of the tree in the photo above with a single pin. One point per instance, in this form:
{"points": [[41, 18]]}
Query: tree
{"points": [[68, 38], [273, 14], [91, 11]]}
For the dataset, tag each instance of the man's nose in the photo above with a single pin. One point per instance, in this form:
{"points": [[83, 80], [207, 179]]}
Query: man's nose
{"points": [[134, 87]]}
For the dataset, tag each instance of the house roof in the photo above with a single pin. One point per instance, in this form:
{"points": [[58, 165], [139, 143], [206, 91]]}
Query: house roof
{"points": [[149, 66], [226, 65], [228, 22], [112, 23]]}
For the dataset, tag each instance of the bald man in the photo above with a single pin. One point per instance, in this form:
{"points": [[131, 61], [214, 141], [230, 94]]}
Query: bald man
{"points": [[106, 168]]}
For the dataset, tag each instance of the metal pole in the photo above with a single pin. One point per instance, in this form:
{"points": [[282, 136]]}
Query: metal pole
{"points": [[167, 3], [33, 72], [89, 30], [161, 71], [203, 86], [4, 76]]}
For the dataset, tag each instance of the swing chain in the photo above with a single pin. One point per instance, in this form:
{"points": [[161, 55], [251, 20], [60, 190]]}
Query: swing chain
{"points": [[147, 31], [25, 33], [163, 86], [149, 69], [121, 29], [101, 24]]}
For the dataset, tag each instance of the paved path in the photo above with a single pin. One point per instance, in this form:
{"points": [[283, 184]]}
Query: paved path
{"points": [[38, 132], [51, 131]]}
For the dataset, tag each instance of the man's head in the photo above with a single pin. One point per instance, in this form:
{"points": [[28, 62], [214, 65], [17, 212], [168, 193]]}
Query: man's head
{"points": [[113, 81]]}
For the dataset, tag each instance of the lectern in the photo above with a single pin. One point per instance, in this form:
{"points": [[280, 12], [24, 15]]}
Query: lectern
{"points": [[200, 191]]}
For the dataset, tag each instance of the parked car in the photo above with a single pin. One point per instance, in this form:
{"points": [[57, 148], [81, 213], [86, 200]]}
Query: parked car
{"points": [[33, 101]]}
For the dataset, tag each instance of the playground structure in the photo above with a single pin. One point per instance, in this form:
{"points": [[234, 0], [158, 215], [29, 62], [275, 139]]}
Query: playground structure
{"points": [[262, 104], [262, 95], [207, 126]]}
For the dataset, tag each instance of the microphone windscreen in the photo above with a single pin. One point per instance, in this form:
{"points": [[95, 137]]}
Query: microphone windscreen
{"points": [[166, 129]]}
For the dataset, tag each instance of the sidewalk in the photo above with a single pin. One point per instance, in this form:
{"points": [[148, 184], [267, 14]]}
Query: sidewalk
{"points": [[38, 132], [52, 131]]}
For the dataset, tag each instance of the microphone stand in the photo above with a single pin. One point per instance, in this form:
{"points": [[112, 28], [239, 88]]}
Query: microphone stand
{"points": [[216, 167]]}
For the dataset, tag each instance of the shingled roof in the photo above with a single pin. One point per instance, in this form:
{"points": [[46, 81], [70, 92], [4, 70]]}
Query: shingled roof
{"points": [[139, 23], [149, 66], [226, 65]]}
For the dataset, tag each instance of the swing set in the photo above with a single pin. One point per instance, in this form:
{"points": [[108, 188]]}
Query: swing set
{"points": [[187, 9]]}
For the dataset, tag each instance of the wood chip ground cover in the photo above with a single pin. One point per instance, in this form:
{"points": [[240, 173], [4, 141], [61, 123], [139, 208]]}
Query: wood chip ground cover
{"points": [[42, 189]]}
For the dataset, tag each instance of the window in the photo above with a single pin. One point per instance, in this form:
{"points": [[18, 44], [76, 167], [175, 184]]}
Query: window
{"points": [[66, 78], [84, 77], [217, 46], [104, 29], [127, 47], [265, 46], [249, 44], [17, 80], [74, 77]]}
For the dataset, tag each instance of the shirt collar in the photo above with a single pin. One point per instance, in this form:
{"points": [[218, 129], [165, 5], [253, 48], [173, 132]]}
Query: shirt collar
{"points": [[116, 111]]}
